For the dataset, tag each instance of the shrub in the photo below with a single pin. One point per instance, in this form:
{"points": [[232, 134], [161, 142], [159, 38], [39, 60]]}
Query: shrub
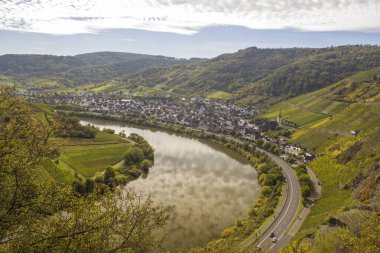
{"points": [[133, 156], [145, 165], [108, 131], [266, 191]]}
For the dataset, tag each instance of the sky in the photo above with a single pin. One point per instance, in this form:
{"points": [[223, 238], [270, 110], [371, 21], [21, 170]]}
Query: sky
{"points": [[183, 28]]}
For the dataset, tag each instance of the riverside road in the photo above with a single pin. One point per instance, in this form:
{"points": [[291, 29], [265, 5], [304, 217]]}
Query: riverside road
{"points": [[288, 213]]}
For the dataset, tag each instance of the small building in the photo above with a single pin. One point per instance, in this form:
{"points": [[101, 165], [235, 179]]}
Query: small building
{"points": [[293, 150], [353, 133], [307, 157]]}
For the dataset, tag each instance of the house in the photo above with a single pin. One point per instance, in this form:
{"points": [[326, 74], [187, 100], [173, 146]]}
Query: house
{"points": [[293, 150], [307, 157]]}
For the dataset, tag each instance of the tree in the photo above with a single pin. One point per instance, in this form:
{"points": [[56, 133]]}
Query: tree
{"points": [[108, 130], [145, 165], [79, 187], [39, 216], [262, 168], [259, 142], [267, 145], [109, 173], [266, 191], [109, 176], [122, 134], [133, 156], [24, 145], [89, 185], [306, 191]]}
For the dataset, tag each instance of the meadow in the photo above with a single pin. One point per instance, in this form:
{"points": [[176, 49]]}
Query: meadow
{"points": [[221, 95], [80, 158], [90, 159]]}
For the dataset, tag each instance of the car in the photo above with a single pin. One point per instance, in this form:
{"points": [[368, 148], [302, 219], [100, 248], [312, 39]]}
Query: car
{"points": [[274, 239], [271, 235]]}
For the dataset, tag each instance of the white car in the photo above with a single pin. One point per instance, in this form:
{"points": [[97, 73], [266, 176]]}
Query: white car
{"points": [[274, 239]]}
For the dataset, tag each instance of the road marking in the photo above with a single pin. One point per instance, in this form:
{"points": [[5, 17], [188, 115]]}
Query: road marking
{"points": [[291, 198], [278, 238]]}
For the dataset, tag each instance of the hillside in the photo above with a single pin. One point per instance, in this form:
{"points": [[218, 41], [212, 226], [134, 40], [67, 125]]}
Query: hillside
{"points": [[315, 72], [85, 153], [228, 72], [261, 73], [101, 73], [309, 109], [250, 76], [35, 70], [341, 125], [48, 205]]}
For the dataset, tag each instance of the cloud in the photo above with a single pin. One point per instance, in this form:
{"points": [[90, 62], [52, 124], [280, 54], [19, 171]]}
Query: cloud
{"points": [[128, 40], [187, 16]]}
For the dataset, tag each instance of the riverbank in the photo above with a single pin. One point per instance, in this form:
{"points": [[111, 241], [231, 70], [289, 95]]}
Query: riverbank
{"points": [[86, 153], [270, 179]]}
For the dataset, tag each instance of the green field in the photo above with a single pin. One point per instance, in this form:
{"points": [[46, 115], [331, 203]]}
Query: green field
{"points": [[79, 157], [85, 157], [222, 95], [108, 87], [60, 172], [90, 159]]}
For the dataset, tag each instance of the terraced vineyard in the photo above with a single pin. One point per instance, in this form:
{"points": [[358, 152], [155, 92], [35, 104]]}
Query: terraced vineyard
{"points": [[61, 172], [306, 110], [333, 198], [310, 109], [325, 124]]}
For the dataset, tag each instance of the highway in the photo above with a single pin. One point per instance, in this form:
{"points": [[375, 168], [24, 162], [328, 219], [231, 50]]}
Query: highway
{"points": [[288, 213]]}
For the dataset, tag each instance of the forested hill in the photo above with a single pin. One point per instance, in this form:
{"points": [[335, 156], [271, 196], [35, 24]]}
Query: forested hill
{"points": [[250, 75], [228, 72], [81, 69], [316, 71], [261, 72]]}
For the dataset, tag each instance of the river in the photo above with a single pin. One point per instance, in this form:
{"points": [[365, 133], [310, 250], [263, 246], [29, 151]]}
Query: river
{"points": [[205, 186]]}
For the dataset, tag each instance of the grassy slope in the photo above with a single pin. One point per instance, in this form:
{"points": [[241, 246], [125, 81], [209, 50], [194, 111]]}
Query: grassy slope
{"points": [[316, 107], [89, 159], [222, 95], [59, 72], [314, 72], [86, 157], [80, 157], [330, 138]]}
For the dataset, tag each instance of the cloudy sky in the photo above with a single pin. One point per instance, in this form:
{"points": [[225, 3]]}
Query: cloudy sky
{"points": [[183, 28]]}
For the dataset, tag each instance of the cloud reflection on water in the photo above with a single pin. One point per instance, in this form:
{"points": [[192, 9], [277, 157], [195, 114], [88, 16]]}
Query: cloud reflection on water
{"points": [[206, 189]]}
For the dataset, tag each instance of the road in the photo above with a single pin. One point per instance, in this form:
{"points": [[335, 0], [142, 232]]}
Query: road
{"points": [[288, 213]]}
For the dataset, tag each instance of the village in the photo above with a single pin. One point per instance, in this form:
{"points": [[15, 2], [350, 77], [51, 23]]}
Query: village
{"points": [[204, 114]]}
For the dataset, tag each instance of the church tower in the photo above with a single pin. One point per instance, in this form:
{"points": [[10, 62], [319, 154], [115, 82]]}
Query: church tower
{"points": [[279, 119]]}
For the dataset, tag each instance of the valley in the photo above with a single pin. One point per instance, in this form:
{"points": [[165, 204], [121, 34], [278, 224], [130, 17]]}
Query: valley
{"points": [[190, 126], [232, 150]]}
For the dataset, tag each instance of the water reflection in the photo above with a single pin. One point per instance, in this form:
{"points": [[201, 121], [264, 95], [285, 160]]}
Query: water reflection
{"points": [[206, 189]]}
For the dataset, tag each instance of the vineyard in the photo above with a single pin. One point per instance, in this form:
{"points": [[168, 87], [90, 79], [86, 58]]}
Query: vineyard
{"points": [[90, 159]]}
